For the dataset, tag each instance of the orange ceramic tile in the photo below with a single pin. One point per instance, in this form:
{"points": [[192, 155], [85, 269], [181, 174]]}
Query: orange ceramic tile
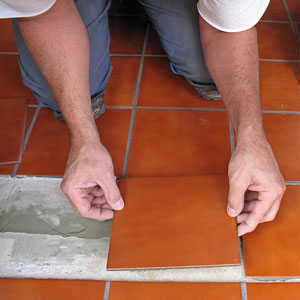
{"points": [[272, 250], [7, 39], [276, 11], [273, 291], [173, 222], [153, 44], [174, 290], [279, 86], [33, 289], [294, 8], [11, 84], [283, 133], [6, 169], [126, 35], [160, 87], [48, 147], [172, 143], [277, 41], [121, 87], [12, 126]]}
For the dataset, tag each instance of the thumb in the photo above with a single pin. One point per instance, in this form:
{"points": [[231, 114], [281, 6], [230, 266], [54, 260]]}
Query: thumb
{"points": [[236, 199], [111, 192]]}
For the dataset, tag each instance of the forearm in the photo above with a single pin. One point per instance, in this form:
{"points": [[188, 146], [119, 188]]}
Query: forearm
{"points": [[232, 59], [59, 44]]}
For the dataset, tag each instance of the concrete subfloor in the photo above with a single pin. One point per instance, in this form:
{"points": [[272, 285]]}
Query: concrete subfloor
{"points": [[41, 236]]}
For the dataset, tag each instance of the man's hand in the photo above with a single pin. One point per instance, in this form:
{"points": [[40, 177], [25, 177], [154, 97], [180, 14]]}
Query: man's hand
{"points": [[90, 183], [256, 185]]}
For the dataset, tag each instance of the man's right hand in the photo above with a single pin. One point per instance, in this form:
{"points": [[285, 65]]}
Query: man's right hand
{"points": [[89, 182]]}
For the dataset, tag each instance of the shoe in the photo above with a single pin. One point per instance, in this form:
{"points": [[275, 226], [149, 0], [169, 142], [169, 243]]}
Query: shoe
{"points": [[98, 107], [208, 92]]}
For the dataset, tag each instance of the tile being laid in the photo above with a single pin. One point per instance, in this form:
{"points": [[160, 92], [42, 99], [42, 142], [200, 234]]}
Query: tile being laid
{"points": [[36, 289], [7, 39], [174, 290], [273, 291], [12, 126], [273, 249], [173, 222]]}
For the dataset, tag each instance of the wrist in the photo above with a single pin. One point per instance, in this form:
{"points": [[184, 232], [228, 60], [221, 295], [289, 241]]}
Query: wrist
{"points": [[250, 135]]}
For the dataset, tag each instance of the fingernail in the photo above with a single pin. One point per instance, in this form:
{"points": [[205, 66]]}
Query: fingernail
{"points": [[231, 212], [119, 204]]}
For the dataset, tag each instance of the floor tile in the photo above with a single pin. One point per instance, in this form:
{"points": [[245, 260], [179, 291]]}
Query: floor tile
{"points": [[122, 84], [173, 222], [7, 39], [160, 87], [294, 8], [276, 11], [284, 136], [174, 290], [126, 35], [6, 169], [279, 86], [277, 41], [172, 143], [272, 250], [153, 43], [30, 115], [11, 84], [273, 291], [32, 289], [48, 147], [12, 126]]}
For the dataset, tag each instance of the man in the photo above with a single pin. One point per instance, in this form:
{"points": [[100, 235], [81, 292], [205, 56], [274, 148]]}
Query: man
{"points": [[64, 59]]}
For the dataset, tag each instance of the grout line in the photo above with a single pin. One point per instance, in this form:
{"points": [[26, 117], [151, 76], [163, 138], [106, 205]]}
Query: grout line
{"points": [[232, 140], [244, 291], [280, 112], [292, 182], [10, 53], [280, 60], [135, 101], [32, 105], [269, 21], [27, 138], [119, 107], [294, 27], [242, 255], [182, 108], [107, 289]]}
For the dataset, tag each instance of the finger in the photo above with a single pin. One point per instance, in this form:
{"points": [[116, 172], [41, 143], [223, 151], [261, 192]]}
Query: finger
{"points": [[100, 214], [111, 192], [251, 195], [236, 198], [242, 217], [97, 191], [99, 201], [249, 206], [270, 216], [255, 217]]}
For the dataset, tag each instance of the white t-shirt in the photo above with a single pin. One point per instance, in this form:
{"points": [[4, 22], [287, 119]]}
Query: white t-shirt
{"points": [[225, 15], [232, 15], [23, 8]]}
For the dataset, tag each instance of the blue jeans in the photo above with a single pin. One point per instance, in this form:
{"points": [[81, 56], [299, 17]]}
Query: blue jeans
{"points": [[176, 22]]}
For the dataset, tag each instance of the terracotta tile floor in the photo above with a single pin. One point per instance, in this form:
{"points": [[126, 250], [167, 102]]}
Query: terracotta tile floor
{"points": [[273, 291], [168, 290], [172, 124], [272, 250], [26, 289]]}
